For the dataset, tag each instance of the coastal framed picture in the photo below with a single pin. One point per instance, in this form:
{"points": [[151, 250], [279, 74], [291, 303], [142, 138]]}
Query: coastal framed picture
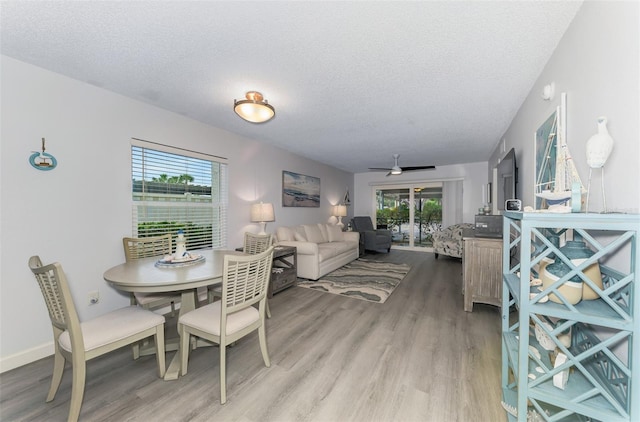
{"points": [[299, 190]]}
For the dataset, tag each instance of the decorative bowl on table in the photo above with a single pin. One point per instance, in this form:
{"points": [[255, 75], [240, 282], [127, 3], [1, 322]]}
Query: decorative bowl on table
{"points": [[170, 261]]}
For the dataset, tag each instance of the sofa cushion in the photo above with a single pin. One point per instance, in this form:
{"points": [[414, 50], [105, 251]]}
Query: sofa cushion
{"points": [[284, 233], [341, 247], [323, 230], [313, 234], [326, 251], [300, 237], [334, 233], [300, 230]]}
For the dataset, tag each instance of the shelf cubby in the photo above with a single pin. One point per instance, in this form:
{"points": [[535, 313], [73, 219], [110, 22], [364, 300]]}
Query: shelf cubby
{"points": [[604, 338]]}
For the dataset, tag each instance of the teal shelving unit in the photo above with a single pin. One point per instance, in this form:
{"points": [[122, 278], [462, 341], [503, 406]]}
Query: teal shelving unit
{"points": [[603, 357]]}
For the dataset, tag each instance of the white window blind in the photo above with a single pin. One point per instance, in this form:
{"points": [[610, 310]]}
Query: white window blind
{"points": [[175, 189]]}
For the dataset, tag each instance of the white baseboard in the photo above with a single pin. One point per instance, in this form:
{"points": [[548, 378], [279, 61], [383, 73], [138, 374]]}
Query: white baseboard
{"points": [[22, 358]]}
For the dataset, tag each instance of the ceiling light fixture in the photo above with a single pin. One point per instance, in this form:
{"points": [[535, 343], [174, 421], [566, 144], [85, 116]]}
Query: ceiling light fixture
{"points": [[396, 168], [254, 109]]}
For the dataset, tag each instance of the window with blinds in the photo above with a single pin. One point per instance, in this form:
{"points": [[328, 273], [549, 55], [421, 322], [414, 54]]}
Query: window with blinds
{"points": [[175, 189]]}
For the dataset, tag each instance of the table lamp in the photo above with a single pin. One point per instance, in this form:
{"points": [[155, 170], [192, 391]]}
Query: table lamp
{"points": [[262, 213], [340, 211]]}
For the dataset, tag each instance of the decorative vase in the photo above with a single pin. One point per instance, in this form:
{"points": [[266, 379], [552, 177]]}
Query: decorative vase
{"points": [[543, 264], [571, 290], [577, 251], [181, 248]]}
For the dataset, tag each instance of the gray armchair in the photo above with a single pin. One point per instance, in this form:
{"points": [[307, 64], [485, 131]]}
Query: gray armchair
{"points": [[371, 239]]}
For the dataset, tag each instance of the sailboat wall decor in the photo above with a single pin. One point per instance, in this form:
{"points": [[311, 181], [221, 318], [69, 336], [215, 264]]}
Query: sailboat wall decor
{"points": [[557, 179], [43, 160]]}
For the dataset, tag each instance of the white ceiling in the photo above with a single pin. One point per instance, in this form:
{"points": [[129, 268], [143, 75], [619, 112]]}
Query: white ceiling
{"points": [[352, 82]]}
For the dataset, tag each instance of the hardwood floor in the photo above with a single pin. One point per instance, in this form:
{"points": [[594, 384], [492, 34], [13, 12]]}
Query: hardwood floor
{"points": [[417, 357]]}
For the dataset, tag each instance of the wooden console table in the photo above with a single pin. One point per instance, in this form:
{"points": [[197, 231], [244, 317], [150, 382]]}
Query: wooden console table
{"points": [[481, 270]]}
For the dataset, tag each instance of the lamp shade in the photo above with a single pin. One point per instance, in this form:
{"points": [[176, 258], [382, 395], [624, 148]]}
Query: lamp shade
{"points": [[340, 210], [254, 109], [262, 212]]}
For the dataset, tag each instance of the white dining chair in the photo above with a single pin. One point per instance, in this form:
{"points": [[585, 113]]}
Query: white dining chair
{"points": [[253, 244], [145, 247], [244, 285], [79, 342], [256, 243]]}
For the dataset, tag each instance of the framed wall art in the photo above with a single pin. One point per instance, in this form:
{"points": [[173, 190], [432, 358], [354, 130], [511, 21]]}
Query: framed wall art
{"points": [[299, 190], [545, 153]]}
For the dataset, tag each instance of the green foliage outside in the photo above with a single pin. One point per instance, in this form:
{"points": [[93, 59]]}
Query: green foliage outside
{"points": [[164, 178], [429, 218], [198, 236]]}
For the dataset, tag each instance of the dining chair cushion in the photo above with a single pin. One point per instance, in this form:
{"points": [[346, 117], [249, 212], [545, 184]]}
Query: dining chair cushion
{"points": [[207, 318], [113, 326]]}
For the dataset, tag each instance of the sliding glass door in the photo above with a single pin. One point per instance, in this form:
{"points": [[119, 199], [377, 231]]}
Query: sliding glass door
{"points": [[411, 211]]}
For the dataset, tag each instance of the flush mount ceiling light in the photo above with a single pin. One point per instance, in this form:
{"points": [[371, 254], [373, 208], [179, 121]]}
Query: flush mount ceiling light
{"points": [[254, 109]]}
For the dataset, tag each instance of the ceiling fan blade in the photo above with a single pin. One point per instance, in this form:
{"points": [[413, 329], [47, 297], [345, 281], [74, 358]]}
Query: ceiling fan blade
{"points": [[418, 168], [396, 169]]}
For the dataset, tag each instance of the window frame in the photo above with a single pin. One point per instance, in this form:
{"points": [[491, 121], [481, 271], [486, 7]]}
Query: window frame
{"points": [[168, 212]]}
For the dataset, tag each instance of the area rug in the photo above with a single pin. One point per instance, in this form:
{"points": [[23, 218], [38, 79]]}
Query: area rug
{"points": [[364, 279]]}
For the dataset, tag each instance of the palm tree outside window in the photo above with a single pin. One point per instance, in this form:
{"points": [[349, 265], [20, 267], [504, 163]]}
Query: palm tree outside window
{"points": [[175, 189]]}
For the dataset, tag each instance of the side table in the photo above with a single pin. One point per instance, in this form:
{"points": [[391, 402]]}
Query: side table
{"points": [[284, 272]]}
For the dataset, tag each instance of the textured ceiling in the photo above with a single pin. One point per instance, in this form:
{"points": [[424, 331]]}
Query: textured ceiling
{"points": [[352, 82]]}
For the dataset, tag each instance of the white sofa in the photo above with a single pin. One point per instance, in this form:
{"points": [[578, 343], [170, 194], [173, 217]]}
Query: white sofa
{"points": [[321, 248]]}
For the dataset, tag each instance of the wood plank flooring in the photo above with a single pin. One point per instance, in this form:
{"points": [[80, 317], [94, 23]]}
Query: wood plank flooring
{"points": [[417, 357]]}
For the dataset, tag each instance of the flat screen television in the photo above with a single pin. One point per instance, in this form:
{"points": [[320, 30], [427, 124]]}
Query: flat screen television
{"points": [[507, 179]]}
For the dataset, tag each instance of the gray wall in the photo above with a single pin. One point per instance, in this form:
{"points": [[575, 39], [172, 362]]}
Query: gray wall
{"points": [[596, 64], [78, 213]]}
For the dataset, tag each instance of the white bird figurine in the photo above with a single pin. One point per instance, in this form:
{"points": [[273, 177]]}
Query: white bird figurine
{"points": [[599, 146]]}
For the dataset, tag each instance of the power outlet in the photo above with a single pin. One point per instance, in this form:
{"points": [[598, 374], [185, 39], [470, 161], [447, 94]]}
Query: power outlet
{"points": [[94, 297]]}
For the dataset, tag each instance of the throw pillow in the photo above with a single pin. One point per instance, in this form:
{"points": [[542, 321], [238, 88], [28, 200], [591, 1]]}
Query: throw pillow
{"points": [[335, 233], [284, 233], [313, 233], [299, 237]]}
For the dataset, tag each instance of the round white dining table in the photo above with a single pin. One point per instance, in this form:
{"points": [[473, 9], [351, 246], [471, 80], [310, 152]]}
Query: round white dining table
{"points": [[142, 275]]}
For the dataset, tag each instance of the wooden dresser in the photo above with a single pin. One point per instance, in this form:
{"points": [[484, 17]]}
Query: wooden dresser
{"points": [[481, 270]]}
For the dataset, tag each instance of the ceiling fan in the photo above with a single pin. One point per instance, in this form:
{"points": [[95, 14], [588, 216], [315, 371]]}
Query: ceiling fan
{"points": [[396, 169]]}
